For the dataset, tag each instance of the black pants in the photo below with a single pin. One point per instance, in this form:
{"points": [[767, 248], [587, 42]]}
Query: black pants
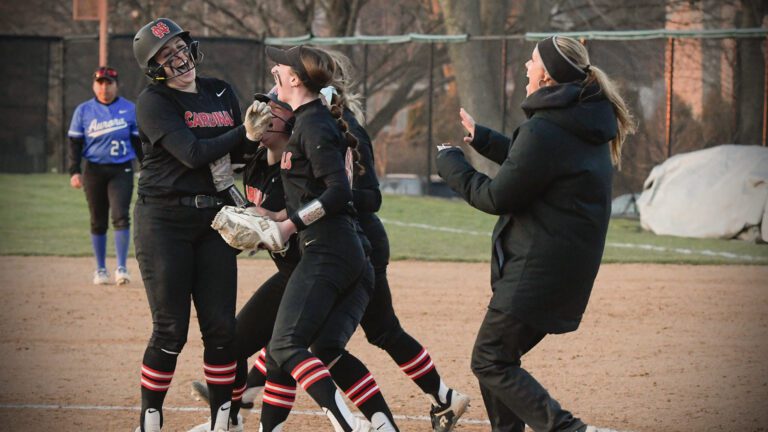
{"points": [[108, 188], [332, 264], [183, 260], [380, 324], [512, 397]]}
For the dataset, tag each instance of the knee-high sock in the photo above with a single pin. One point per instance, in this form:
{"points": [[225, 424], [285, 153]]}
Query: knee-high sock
{"points": [[122, 241], [99, 243], [157, 370], [257, 376], [315, 379], [414, 360], [238, 388], [351, 375], [219, 368], [279, 394]]}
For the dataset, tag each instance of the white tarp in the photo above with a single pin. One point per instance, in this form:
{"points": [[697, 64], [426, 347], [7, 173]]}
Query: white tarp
{"points": [[717, 193]]}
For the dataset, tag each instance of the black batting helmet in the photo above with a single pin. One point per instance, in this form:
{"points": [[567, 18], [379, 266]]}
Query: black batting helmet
{"points": [[152, 37]]}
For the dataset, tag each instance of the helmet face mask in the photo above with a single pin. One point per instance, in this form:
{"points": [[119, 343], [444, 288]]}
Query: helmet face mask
{"points": [[151, 38], [192, 56]]}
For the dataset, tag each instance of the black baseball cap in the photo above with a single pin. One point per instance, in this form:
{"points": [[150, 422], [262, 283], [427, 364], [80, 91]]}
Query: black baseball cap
{"points": [[271, 97], [290, 57], [105, 72]]}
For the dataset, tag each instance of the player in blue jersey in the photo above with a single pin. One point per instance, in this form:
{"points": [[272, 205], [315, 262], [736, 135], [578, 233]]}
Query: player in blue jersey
{"points": [[104, 133]]}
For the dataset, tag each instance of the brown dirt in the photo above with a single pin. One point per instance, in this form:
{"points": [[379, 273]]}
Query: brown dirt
{"points": [[661, 347]]}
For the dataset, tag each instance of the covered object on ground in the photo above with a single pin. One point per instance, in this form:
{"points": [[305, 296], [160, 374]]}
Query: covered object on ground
{"points": [[719, 192]]}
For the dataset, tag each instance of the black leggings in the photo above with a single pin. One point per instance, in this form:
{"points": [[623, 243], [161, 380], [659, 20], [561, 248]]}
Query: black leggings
{"points": [[182, 259], [108, 188]]}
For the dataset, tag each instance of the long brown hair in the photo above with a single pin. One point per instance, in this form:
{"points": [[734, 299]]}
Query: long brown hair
{"points": [[578, 54], [323, 69]]}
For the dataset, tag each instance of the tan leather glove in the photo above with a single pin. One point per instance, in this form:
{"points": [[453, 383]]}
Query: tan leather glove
{"points": [[257, 119]]}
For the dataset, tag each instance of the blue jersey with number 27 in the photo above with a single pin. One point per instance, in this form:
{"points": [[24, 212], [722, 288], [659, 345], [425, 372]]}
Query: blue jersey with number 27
{"points": [[106, 130]]}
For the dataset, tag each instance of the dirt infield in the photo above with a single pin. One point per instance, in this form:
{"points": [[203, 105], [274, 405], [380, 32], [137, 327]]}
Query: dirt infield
{"points": [[672, 348]]}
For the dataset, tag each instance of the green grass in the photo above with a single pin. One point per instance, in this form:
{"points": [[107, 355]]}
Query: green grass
{"points": [[41, 215]]}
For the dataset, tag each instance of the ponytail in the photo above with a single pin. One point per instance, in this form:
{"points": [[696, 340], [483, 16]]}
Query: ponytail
{"points": [[578, 55]]}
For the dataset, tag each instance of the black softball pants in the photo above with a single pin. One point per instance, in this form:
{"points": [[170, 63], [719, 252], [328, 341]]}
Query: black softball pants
{"points": [[331, 266], [380, 324], [108, 188], [512, 397], [183, 260]]}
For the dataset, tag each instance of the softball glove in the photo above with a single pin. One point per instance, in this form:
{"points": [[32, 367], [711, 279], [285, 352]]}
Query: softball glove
{"points": [[246, 231]]}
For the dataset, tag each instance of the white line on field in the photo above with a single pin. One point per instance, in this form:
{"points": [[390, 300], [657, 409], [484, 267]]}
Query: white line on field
{"points": [[196, 409], [654, 248]]}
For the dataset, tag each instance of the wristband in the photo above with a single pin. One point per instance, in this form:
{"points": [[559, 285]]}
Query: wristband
{"points": [[309, 214]]}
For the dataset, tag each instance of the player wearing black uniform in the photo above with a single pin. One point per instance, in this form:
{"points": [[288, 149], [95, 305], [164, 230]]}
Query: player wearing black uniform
{"points": [[333, 261], [380, 323], [255, 320], [103, 132], [186, 123]]}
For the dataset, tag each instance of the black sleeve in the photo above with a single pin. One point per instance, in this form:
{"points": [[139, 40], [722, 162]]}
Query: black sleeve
{"points": [[366, 195], [194, 152], [249, 147], [74, 155], [523, 176], [367, 200], [336, 195], [490, 144], [136, 144], [160, 121]]}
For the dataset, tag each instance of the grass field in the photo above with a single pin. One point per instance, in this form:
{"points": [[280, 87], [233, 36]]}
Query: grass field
{"points": [[41, 215]]}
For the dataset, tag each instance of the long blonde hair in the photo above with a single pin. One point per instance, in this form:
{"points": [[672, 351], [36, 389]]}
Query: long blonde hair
{"points": [[343, 81], [577, 53]]}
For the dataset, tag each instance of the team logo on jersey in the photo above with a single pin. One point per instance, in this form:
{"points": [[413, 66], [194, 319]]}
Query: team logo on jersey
{"points": [[255, 195], [213, 119], [285, 161], [97, 128], [160, 29]]}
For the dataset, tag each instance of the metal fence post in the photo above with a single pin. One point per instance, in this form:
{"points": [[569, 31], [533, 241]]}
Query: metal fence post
{"points": [[765, 91], [429, 115], [365, 78], [670, 76]]}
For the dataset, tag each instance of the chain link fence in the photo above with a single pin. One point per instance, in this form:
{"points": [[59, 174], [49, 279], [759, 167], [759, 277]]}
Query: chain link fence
{"points": [[718, 94]]}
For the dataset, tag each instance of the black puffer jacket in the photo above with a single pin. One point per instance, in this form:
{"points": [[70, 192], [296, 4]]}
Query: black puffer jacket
{"points": [[552, 194]]}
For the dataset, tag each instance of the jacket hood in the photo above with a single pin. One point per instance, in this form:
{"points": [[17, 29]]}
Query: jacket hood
{"points": [[583, 111]]}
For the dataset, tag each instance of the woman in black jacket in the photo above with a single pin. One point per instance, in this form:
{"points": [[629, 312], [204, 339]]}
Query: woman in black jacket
{"points": [[552, 194]]}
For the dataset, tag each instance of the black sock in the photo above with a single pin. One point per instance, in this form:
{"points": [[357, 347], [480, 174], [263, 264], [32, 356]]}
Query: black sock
{"points": [[415, 361], [257, 376], [315, 379], [238, 388], [277, 401], [157, 371], [219, 368], [351, 375]]}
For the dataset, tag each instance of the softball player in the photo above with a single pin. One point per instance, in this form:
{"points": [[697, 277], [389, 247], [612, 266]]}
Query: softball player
{"points": [[255, 320], [103, 132], [333, 261], [185, 123], [380, 324]]}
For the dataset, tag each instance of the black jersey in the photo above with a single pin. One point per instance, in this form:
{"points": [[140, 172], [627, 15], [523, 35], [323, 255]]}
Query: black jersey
{"points": [[316, 149], [175, 161], [366, 194], [263, 186]]}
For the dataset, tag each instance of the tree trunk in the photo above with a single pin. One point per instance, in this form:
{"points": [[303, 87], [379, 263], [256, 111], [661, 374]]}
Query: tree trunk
{"points": [[476, 65]]}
